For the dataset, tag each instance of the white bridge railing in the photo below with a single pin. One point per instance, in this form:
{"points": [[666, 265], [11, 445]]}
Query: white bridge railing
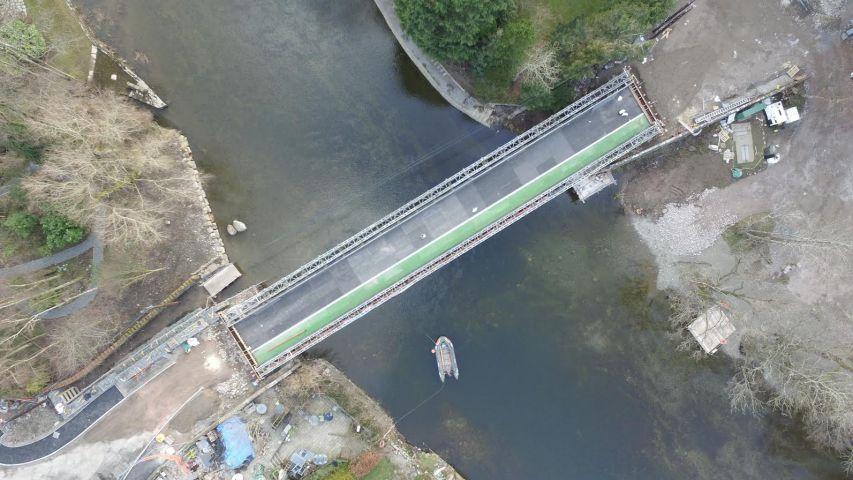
{"points": [[237, 312]]}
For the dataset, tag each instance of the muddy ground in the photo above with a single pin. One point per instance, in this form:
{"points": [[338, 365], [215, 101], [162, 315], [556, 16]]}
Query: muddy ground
{"points": [[683, 200]]}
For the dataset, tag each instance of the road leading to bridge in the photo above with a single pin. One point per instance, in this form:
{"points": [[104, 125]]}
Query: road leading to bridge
{"points": [[347, 287]]}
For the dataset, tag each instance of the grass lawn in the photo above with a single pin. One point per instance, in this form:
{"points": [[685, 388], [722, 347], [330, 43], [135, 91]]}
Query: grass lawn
{"points": [[332, 472], [68, 44], [382, 471], [547, 14]]}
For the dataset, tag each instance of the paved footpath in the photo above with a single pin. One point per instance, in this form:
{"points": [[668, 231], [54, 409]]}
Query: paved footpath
{"points": [[70, 430], [56, 258]]}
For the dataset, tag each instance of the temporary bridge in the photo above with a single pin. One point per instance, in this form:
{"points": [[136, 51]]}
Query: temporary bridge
{"points": [[302, 309]]}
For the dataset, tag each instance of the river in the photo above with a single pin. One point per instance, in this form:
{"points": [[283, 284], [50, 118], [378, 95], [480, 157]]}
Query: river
{"points": [[311, 123]]}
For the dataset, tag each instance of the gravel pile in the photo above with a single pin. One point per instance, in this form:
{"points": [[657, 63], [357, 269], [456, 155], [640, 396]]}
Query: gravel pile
{"points": [[31, 426], [683, 230], [235, 386]]}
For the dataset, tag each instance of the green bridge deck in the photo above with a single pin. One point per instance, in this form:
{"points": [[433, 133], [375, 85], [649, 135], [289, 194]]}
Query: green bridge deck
{"points": [[289, 319]]}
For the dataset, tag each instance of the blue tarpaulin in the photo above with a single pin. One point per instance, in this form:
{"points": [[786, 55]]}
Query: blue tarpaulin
{"points": [[238, 444]]}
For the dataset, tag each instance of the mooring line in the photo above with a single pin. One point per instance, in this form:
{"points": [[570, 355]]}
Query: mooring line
{"points": [[400, 419]]}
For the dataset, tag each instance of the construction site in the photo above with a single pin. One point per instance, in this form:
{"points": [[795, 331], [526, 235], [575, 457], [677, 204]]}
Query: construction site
{"points": [[194, 403], [308, 421]]}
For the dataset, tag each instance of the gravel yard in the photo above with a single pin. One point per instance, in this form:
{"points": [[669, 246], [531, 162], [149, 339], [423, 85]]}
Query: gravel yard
{"points": [[798, 285]]}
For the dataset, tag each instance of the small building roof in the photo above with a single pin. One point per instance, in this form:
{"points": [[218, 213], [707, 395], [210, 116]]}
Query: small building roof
{"points": [[792, 115], [222, 278], [744, 114], [711, 329], [744, 144], [775, 113]]}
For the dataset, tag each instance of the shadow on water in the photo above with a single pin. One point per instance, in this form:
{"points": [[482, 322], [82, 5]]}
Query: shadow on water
{"points": [[312, 124], [413, 82]]}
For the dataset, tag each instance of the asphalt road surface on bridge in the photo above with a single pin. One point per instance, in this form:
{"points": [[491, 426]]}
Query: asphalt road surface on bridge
{"points": [[284, 321]]}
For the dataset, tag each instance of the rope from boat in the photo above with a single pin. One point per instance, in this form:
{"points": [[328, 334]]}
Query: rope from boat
{"points": [[400, 419]]}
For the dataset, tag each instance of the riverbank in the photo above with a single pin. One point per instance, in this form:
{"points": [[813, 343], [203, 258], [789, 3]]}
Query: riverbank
{"points": [[162, 425], [96, 297], [316, 412], [772, 248], [409, 461], [437, 75], [311, 154]]}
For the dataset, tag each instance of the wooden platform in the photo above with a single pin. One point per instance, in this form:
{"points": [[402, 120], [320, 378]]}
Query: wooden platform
{"points": [[711, 329], [221, 279]]}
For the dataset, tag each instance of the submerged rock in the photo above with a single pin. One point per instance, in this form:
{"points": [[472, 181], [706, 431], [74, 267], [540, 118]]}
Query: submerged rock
{"points": [[231, 230], [239, 226]]}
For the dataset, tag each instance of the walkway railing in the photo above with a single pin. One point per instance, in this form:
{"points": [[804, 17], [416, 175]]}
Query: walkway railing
{"points": [[236, 313], [399, 287]]}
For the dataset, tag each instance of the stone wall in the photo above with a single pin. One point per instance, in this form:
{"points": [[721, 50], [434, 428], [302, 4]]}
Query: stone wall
{"points": [[211, 230]]}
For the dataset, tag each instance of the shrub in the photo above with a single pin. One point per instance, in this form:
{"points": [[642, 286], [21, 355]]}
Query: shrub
{"points": [[59, 231], [18, 139], [25, 37], [338, 471], [37, 382], [453, 30], [588, 42], [21, 224], [506, 48]]}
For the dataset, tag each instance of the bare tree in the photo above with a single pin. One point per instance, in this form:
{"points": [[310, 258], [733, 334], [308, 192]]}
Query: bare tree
{"points": [[817, 241], [106, 165], [75, 341], [124, 269], [540, 67], [847, 462], [782, 373]]}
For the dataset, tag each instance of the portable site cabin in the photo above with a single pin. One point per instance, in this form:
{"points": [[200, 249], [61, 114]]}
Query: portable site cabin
{"points": [[777, 114], [744, 143], [711, 329]]}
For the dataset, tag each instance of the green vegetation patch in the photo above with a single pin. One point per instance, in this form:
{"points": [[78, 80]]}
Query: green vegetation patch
{"points": [[15, 138], [454, 30], [534, 52], [332, 472], [22, 224], [750, 233], [69, 48], [60, 232], [24, 37], [383, 470]]}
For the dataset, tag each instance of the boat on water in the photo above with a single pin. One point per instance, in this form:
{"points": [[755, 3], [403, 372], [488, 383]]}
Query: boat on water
{"points": [[445, 358]]}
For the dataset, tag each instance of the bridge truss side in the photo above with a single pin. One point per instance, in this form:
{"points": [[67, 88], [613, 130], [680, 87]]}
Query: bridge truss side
{"points": [[240, 311], [399, 287], [237, 312]]}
